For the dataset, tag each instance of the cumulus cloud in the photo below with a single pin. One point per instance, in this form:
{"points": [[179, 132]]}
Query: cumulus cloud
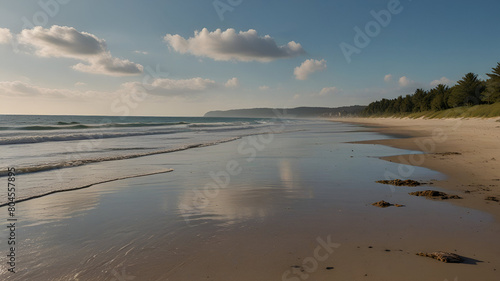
{"points": [[62, 41], [308, 67], [442, 80], [229, 45], [141, 52], [5, 36], [405, 82], [172, 87], [108, 65], [329, 91], [67, 42], [388, 78], [264, 88], [232, 83]]}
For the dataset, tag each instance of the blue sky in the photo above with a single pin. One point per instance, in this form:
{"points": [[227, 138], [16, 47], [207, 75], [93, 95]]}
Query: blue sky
{"points": [[98, 57]]}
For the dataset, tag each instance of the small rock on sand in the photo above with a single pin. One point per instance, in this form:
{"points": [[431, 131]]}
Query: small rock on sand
{"points": [[492, 198], [443, 256], [383, 204], [298, 267], [451, 197], [398, 182], [434, 194]]}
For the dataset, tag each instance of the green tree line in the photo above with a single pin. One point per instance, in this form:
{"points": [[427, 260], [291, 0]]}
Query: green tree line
{"points": [[470, 90]]}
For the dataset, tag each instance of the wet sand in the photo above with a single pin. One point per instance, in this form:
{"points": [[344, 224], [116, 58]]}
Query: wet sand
{"points": [[466, 150], [299, 208]]}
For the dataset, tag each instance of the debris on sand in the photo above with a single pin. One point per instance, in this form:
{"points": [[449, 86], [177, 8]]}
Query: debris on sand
{"points": [[443, 256], [428, 193], [492, 198], [398, 182], [298, 267], [434, 194], [448, 153], [383, 204]]}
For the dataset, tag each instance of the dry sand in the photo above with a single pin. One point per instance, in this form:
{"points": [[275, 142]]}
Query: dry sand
{"points": [[466, 150]]}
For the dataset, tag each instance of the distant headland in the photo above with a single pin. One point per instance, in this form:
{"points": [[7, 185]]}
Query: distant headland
{"points": [[298, 112]]}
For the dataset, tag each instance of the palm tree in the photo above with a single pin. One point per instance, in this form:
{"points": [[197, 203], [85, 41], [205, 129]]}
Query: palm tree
{"points": [[492, 93], [468, 91], [440, 95]]}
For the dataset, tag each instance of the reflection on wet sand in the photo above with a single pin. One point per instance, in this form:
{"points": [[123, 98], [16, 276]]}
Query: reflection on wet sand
{"points": [[55, 208], [291, 180], [236, 204]]}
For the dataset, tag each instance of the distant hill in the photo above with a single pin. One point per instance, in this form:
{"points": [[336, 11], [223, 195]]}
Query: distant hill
{"points": [[298, 112]]}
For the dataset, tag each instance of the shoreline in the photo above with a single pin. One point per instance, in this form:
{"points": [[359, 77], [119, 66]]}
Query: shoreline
{"points": [[467, 151]]}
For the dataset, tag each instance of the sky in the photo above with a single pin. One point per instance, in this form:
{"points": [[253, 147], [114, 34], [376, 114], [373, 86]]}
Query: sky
{"points": [[184, 58]]}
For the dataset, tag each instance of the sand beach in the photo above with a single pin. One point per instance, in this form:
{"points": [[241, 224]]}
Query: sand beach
{"points": [[466, 150], [298, 206]]}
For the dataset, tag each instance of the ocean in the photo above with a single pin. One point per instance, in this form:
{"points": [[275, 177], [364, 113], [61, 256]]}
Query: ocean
{"points": [[55, 153]]}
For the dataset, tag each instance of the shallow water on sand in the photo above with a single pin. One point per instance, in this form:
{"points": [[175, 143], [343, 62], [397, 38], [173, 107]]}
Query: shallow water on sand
{"points": [[243, 210]]}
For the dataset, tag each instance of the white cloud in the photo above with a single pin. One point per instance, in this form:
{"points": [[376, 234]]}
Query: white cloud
{"points": [[329, 91], [229, 45], [62, 41], [388, 78], [172, 87], [18, 88], [5, 36], [442, 80], [67, 42], [405, 82], [141, 52], [232, 83], [108, 65], [160, 87], [307, 67], [264, 88], [192, 84], [23, 89]]}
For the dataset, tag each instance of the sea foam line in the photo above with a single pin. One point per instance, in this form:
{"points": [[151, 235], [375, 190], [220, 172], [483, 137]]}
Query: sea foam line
{"points": [[76, 163], [73, 137], [147, 174], [26, 139]]}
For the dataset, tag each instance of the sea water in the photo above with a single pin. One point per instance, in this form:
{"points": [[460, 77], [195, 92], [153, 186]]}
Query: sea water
{"points": [[54, 153]]}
